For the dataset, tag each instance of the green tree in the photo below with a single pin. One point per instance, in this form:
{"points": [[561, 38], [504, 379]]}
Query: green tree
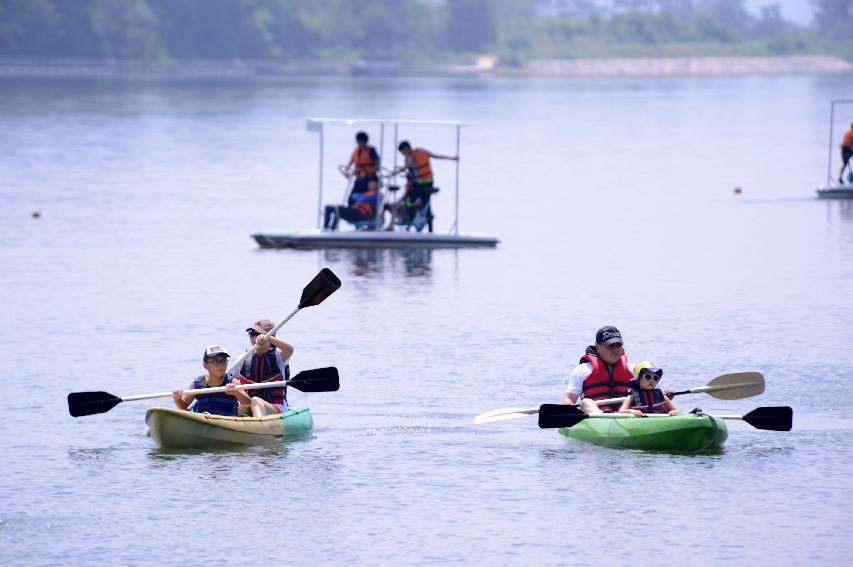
{"points": [[834, 18], [29, 27], [470, 26]]}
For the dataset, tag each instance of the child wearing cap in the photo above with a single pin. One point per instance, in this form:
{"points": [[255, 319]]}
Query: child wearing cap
{"points": [[645, 396], [215, 361]]}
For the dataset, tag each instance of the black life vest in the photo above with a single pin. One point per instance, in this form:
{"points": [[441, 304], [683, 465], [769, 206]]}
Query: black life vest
{"points": [[264, 368], [649, 401], [218, 403]]}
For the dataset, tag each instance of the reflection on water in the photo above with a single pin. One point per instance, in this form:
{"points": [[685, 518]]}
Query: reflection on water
{"points": [[845, 210], [411, 262]]}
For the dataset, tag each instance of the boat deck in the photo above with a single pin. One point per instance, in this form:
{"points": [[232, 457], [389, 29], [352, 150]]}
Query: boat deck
{"points": [[313, 239]]}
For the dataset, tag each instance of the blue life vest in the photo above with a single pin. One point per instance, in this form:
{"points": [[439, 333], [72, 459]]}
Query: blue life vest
{"points": [[264, 368], [649, 401], [218, 403]]}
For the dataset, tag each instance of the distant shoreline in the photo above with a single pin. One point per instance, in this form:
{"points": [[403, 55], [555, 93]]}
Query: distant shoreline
{"points": [[687, 66], [590, 67]]}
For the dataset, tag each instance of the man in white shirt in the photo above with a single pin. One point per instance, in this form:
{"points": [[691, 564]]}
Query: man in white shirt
{"points": [[603, 373]]}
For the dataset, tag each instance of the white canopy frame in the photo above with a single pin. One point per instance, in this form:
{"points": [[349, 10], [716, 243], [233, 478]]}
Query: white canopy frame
{"points": [[319, 125]]}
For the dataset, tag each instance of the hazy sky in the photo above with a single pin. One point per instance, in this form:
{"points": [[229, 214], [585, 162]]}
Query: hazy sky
{"points": [[797, 11]]}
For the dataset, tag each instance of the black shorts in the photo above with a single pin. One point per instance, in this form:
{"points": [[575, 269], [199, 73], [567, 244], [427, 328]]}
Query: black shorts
{"points": [[416, 192], [846, 153]]}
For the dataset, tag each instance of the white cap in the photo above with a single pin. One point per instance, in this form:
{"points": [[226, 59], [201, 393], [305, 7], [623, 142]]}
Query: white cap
{"points": [[213, 350]]}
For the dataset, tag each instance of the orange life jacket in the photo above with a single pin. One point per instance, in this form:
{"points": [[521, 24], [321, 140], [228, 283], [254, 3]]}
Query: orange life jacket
{"points": [[365, 165], [366, 204], [421, 170], [848, 138]]}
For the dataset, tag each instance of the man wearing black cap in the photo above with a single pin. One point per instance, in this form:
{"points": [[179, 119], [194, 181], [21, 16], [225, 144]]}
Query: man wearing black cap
{"points": [[603, 373]]}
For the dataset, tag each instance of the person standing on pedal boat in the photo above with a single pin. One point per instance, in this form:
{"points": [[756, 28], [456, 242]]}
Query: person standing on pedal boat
{"points": [[364, 163], [269, 363], [645, 396], [846, 153], [419, 178], [215, 362]]}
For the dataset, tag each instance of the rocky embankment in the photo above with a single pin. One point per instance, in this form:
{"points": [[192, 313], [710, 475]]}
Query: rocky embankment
{"points": [[687, 66]]}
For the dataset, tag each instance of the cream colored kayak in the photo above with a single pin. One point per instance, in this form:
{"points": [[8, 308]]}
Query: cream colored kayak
{"points": [[172, 428]]}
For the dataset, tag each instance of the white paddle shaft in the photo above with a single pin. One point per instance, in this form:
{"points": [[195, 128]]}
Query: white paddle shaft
{"points": [[239, 362], [257, 386]]}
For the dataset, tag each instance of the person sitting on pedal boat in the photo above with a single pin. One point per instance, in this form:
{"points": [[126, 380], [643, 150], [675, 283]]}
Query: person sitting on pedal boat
{"points": [[645, 396], [362, 207], [215, 361], [603, 372], [269, 363]]}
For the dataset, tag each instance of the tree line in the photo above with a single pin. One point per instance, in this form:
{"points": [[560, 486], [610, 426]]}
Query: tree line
{"points": [[402, 30]]}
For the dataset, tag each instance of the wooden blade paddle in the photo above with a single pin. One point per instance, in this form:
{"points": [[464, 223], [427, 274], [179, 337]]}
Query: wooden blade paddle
{"points": [[317, 380], [504, 413], [733, 386]]}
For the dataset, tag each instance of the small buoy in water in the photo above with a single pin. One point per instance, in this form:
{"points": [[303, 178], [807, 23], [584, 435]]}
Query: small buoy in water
{"points": [[737, 190], [36, 214]]}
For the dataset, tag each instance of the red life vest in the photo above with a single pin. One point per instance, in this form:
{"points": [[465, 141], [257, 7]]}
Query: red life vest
{"points": [[650, 401], [421, 170], [606, 382], [365, 166], [264, 368]]}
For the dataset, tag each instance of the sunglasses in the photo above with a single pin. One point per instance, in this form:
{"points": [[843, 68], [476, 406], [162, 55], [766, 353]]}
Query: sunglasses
{"points": [[253, 334], [650, 376]]}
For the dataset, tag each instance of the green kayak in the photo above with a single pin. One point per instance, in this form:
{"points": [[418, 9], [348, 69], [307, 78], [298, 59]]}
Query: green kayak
{"points": [[172, 428], [683, 432]]}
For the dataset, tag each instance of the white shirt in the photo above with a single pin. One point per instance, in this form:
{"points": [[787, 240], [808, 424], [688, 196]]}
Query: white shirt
{"points": [[581, 372]]}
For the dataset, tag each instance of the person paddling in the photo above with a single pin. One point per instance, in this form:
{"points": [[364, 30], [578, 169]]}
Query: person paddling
{"points": [[215, 362], [269, 363], [603, 372], [645, 396]]}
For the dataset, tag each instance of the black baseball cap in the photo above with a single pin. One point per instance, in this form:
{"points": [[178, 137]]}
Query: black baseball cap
{"points": [[608, 335]]}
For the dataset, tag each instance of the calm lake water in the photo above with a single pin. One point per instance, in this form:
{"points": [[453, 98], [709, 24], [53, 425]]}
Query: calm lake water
{"points": [[614, 203]]}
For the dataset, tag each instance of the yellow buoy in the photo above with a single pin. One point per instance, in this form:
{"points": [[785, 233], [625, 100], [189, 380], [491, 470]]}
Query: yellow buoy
{"points": [[737, 190]]}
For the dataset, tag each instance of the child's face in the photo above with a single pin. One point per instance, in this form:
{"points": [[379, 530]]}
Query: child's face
{"points": [[648, 380]]}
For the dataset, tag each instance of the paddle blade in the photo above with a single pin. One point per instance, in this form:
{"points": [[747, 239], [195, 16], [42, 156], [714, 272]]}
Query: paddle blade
{"points": [[736, 386], [90, 403], [503, 413], [322, 286], [558, 415], [317, 380], [778, 418]]}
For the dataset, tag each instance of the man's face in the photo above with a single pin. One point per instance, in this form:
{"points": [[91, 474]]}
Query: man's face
{"points": [[610, 354]]}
